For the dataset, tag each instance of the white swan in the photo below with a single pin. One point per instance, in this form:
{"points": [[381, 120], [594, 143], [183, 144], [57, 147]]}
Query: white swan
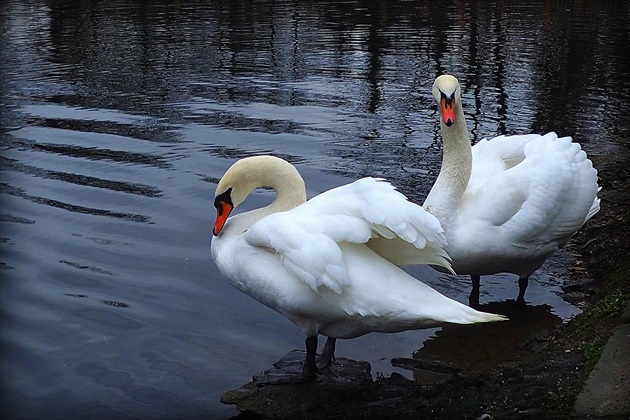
{"points": [[319, 262], [507, 203]]}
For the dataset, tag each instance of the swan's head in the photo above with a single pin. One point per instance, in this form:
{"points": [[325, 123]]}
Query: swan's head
{"points": [[224, 204], [246, 175], [447, 94], [234, 187]]}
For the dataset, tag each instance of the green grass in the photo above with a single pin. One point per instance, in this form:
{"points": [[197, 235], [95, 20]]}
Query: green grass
{"points": [[593, 351], [609, 306]]}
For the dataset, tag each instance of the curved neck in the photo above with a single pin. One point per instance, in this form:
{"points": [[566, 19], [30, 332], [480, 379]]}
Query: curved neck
{"points": [[289, 187], [443, 199], [266, 171]]}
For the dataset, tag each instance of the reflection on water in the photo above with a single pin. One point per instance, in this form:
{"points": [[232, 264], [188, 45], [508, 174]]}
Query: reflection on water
{"points": [[457, 348], [468, 347], [119, 117]]}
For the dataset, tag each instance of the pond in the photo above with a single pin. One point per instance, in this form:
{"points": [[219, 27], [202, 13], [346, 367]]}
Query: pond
{"points": [[118, 119]]}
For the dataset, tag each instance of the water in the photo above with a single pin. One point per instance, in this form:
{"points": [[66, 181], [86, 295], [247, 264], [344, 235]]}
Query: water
{"points": [[118, 119]]}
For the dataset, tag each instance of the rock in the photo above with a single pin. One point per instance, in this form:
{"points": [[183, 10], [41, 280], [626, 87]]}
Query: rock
{"points": [[428, 372], [323, 398]]}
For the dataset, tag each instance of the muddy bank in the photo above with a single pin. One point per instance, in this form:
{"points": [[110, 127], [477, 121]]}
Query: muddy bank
{"points": [[545, 383]]}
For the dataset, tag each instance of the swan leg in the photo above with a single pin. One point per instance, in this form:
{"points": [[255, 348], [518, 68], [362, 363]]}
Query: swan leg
{"points": [[522, 286], [328, 353], [473, 299], [310, 366]]}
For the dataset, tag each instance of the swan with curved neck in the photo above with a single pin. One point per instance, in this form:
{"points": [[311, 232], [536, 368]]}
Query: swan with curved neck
{"points": [[507, 203], [321, 262]]}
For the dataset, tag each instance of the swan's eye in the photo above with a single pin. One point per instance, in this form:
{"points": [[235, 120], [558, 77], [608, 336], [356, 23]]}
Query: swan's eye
{"points": [[225, 197], [447, 101]]}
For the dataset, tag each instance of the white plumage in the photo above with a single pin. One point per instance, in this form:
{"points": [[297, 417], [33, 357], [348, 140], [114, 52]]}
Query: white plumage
{"points": [[318, 262], [507, 203]]}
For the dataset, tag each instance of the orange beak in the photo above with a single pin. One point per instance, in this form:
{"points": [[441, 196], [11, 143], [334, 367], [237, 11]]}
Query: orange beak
{"points": [[448, 110], [223, 211]]}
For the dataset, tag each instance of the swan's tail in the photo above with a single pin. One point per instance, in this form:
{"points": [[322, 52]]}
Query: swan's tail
{"points": [[467, 315], [594, 207], [444, 310]]}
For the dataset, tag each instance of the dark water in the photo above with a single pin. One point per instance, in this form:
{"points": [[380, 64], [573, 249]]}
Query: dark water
{"points": [[119, 117]]}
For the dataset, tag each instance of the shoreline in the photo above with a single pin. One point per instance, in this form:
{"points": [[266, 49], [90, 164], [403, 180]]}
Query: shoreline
{"points": [[552, 382]]}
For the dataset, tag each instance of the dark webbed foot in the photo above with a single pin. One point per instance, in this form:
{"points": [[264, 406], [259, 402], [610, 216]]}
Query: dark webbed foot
{"points": [[328, 353]]}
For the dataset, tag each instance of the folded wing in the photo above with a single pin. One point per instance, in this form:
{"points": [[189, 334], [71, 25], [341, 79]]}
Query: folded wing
{"points": [[368, 211]]}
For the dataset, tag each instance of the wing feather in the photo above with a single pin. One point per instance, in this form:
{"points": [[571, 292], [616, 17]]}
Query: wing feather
{"points": [[545, 181], [308, 236]]}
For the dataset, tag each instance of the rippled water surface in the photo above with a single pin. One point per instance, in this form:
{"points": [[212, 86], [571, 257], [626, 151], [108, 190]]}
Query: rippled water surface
{"points": [[118, 118]]}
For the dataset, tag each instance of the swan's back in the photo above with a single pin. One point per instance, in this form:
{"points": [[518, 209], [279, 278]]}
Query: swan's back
{"points": [[533, 191]]}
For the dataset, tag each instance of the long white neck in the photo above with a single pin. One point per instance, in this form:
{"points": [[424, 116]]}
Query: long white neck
{"points": [[444, 198], [264, 171], [288, 184]]}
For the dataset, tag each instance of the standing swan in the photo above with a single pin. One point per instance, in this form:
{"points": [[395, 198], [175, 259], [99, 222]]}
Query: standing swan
{"points": [[319, 262], [507, 203]]}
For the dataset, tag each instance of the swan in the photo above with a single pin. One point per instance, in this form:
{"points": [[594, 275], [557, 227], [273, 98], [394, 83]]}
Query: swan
{"points": [[320, 262], [507, 203]]}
